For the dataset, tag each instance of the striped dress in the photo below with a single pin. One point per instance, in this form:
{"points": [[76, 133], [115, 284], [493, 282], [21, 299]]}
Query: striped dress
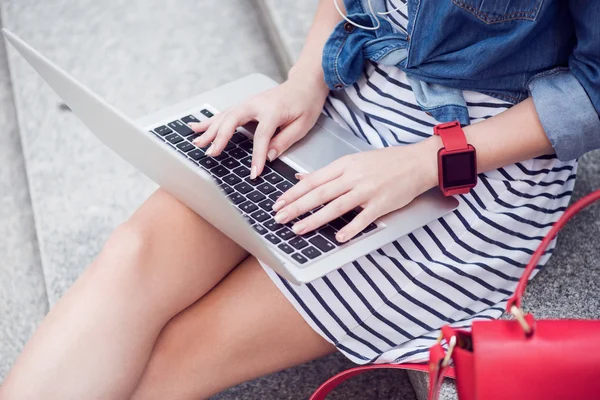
{"points": [[389, 305]]}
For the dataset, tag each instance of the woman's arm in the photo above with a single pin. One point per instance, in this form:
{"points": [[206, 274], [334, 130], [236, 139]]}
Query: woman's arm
{"points": [[357, 179], [509, 137], [293, 106]]}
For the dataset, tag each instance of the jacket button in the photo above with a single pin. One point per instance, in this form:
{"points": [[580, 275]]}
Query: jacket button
{"points": [[348, 27], [338, 86]]}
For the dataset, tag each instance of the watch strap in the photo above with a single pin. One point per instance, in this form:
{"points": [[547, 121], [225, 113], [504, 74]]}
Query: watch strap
{"points": [[452, 135]]}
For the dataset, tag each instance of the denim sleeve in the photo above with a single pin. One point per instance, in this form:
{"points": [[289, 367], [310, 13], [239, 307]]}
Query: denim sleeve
{"points": [[567, 100]]}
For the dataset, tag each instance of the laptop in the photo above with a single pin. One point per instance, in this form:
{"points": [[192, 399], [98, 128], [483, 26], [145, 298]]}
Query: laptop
{"points": [[220, 189]]}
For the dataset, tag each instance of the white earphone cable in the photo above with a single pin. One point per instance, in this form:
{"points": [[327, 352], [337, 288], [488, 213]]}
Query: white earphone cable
{"points": [[368, 28]]}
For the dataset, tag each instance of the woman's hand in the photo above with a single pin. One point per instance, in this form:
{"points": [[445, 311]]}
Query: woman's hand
{"points": [[293, 107], [379, 181]]}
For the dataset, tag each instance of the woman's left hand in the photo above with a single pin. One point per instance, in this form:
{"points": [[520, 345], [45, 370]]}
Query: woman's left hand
{"points": [[379, 181]]}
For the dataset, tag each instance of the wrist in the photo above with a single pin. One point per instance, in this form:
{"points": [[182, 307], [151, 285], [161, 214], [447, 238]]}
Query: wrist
{"points": [[309, 76], [428, 160]]}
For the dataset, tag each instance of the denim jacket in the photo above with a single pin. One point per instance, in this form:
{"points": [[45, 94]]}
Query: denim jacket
{"points": [[549, 49]]}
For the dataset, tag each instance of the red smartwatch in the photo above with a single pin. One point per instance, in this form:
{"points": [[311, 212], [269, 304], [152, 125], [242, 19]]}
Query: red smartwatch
{"points": [[457, 162]]}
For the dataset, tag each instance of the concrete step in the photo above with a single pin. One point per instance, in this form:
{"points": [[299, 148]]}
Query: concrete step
{"points": [[23, 300]]}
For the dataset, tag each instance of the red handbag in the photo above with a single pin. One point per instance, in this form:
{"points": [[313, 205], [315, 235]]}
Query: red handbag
{"points": [[520, 359]]}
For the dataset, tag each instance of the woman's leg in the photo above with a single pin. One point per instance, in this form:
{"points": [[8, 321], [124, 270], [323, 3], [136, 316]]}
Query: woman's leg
{"points": [[242, 329], [96, 341]]}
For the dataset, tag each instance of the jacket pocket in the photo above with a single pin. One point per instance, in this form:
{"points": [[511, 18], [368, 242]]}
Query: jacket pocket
{"points": [[496, 11]]}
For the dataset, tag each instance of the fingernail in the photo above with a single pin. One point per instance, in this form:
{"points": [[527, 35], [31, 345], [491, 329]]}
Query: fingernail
{"points": [[196, 142], [253, 172], [272, 154], [340, 237], [280, 217], [210, 150], [299, 228], [278, 205], [299, 175], [193, 125]]}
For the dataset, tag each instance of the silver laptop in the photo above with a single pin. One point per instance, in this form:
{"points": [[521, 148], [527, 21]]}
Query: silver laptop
{"points": [[220, 190]]}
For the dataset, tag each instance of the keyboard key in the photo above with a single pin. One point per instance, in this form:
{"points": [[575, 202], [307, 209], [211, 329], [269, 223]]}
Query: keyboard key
{"points": [[181, 128], [244, 188], [285, 234], [185, 146], [249, 220], [238, 153], [238, 138], [267, 205], [236, 198], [329, 233], [273, 178], [242, 171], [272, 238], [247, 161], [369, 228], [232, 179], [266, 188], [284, 170], [322, 243], [219, 170], [189, 118], [196, 154], [309, 234], [275, 195], [299, 258], [311, 252], [229, 146], [193, 137], [230, 163], [349, 216], [260, 215], [298, 243], [285, 248], [248, 207], [174, 138], [227, 189], [206, 113], [260, 229], [208, 162], [284, 186], [255, 182], [272, 225], [163, 130], [221, 157], [338, 223], [256, 196], [247, 146]]}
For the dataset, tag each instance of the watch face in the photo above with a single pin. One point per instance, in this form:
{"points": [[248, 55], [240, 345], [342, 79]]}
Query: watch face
{"points": [[459, 169]]}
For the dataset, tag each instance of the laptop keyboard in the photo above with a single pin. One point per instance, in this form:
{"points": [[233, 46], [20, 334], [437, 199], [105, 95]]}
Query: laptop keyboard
{"points": [[255, 197]]}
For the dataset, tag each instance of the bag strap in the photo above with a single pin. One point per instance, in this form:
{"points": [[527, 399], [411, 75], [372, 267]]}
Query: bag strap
{"points": [[437, 368], [515, 299]]}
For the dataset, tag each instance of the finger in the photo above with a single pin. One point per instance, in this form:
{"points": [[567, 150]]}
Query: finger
{"points": [[202, 126], [331, 211], [311, 200], [287, 137], [226, 129], [209, 135], [262, 137], [360, 222], [309, 182]]}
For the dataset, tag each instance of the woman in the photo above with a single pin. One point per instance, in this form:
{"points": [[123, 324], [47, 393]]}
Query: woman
{"points": [[151, 319]]}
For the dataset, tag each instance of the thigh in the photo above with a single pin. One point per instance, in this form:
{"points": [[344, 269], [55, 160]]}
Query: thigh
{"points": [[167, 254], [244, 328]]}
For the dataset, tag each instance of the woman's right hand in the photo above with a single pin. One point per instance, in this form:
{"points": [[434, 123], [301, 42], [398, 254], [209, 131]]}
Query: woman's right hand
{"points": [[293, 107]]}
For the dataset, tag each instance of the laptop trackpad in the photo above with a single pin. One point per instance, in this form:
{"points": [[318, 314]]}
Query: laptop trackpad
{"points": [[319, 148]]}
